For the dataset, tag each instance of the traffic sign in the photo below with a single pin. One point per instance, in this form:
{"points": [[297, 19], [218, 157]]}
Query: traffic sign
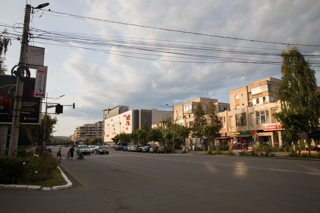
{"points": [[304, 136]]}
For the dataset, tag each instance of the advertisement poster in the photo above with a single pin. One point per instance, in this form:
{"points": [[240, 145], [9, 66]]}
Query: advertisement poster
{"points": [[41, 82], [31, 107]]}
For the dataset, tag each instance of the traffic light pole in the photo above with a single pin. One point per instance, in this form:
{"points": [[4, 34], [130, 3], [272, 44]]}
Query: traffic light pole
{"points": [[13, 146]]}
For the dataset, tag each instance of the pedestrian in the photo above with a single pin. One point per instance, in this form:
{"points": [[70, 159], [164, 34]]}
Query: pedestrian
{"points": [[194, 149], [59, 153], [71, 150]]}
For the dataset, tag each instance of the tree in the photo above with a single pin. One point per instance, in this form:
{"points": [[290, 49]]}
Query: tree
{"points": [[182, 133], [154, 135], [86, 141], [212, 130], [199, 122], [298, 95], [145, 126], [4, 42], [35, 133], [141, 136]]}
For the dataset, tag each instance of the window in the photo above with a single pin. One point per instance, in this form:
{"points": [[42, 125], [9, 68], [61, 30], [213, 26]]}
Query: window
{"points": [[237, 97], [260, 89], [241, 119], [190, 123], [262, 116], [223, 121]]}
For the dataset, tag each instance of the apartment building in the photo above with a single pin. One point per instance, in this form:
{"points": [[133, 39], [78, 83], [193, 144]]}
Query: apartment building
{"points": [[88, 131], [184, 114], [250, 119], [131, 120]]}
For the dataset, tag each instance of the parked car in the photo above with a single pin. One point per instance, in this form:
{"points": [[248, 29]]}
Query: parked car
{"points": [[164, 149], [84, 149], [146, 148], [118, 147], [92, 148], [129, 148], [154, 149], [125, 148], [134, 148], [101, 150], [140, 148]]}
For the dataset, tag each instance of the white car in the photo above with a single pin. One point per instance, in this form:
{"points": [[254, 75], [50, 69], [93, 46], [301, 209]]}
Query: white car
{"points": [[92, 147]]}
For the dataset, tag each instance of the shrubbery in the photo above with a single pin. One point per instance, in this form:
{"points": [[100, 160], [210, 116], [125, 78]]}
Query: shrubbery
{"points": [[34, 166]]}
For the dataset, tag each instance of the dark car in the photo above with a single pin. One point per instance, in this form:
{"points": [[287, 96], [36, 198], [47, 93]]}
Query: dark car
{"points": [[164, 149], [140, 148], [101, 150], [153, 149], [118, 147], [125, 148], [146, 148]]}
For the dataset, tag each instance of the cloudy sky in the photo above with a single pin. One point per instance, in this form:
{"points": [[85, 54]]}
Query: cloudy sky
{"points": [[148, 53]]}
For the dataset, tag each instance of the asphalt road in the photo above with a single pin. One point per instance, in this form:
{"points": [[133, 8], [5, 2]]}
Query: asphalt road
{"points": [[145, 182]]}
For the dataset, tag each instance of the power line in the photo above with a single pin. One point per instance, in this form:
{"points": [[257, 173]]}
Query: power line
{"points": [[181, 31]]}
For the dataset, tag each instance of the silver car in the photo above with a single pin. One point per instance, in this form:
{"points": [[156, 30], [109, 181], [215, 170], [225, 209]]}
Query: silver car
{"points": [[134, 148]]}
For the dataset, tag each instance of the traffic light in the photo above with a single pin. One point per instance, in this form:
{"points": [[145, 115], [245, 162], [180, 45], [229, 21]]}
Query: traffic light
{"points": [[59, 109]]}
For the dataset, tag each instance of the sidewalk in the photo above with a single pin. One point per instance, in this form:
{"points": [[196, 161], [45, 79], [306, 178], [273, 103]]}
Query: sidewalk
{"points": [[278, 154]]}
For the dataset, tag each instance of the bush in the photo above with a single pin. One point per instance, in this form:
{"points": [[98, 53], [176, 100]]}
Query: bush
{"points": [[40, 165], [230, 152], [218, 152], [11, 169]]}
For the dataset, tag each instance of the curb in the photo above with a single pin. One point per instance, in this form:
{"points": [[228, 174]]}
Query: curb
{"points": [[32, 187]]}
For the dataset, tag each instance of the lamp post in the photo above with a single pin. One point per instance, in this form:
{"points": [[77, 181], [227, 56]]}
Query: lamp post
{"points": [[45, 117], [15, 126]]}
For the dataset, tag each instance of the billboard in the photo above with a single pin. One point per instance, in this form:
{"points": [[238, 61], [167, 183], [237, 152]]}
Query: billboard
{"points": [[31, 106], [117, 124]]}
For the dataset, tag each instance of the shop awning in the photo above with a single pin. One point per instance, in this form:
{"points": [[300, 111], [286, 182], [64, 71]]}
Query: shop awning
{"points": [[239, 136]]}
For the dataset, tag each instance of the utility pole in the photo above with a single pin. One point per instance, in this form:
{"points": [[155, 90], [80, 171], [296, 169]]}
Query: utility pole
{"points": [[13, 146]]}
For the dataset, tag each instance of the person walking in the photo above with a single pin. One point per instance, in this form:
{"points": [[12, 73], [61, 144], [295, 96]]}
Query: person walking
{"points": [[71, 152], [59, 153], [194, 149]]}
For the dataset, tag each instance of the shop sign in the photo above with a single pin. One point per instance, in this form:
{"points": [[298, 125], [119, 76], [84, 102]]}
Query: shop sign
{"points": [[270, 127], [241, 134]]}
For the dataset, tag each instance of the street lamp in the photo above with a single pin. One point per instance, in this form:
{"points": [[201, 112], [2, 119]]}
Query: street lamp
{"points": [[45, 116]]}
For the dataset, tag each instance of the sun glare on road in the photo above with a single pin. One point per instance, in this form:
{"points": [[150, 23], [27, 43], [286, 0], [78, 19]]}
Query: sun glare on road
{"points": [[240, 170]]}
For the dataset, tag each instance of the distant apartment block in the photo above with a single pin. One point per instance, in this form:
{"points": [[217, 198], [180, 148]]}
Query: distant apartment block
{"points": [[131, 120]]}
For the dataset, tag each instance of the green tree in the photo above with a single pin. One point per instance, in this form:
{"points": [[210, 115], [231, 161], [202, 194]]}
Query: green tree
{"points": [[35, 133], [141, 136], [182, 133], [298, 95], [212, 130], [124, 138], [86, 141], [154, 135], [4, 42], [145, 126], [199, 122]]}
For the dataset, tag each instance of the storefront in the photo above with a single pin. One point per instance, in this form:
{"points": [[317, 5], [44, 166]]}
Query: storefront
{"points": [[223, 140], [242, 139]]}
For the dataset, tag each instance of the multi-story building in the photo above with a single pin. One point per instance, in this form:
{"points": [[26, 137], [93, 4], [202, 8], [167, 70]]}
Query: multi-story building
{"points": [[88, 131], [109, 113], [131, 120], [250, 119], [184, 114]]}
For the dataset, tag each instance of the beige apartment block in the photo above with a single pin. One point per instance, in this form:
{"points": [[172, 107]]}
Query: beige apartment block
{"points": [[184, 113], [88, 131], [250, 119]]}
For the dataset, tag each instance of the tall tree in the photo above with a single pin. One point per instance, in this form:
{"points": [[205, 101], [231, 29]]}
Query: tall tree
{"points": [[35, 133], [4, 42], [145, 126], [298, 95], [182, 133], [212, 130], [199, 122], [154, 135]]}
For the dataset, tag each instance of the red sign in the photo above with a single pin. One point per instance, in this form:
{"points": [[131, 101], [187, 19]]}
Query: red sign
{"points": [[269, 127]]}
